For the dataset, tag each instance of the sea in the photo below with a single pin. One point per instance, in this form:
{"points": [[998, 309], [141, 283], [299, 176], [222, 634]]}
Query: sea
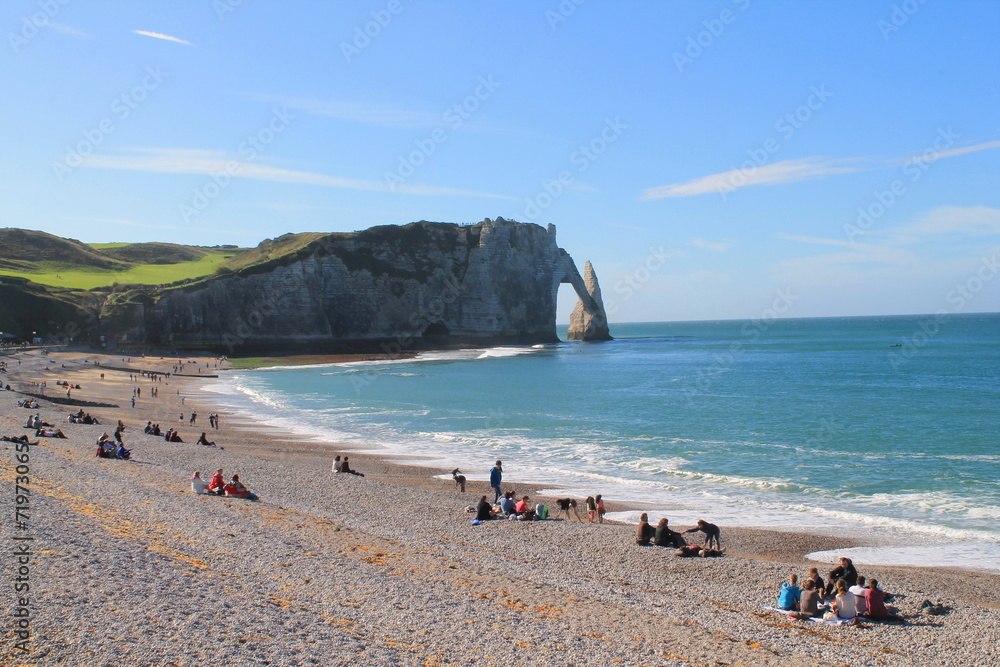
{"points": [[883, 429]]}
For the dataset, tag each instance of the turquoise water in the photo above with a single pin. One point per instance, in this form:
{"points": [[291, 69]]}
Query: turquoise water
{"points": [[809, 424]]}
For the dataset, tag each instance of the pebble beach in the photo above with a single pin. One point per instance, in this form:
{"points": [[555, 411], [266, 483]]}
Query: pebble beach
{"points": [[130, 567]]}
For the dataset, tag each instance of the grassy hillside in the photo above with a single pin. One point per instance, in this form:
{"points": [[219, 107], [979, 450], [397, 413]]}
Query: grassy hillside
{"points": [[51, 260]]}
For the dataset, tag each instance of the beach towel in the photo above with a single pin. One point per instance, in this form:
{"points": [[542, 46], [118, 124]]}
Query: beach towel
{"points": [[817, 619]]}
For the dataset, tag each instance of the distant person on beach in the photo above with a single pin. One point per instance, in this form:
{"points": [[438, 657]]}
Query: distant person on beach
{"points": [[875, 604], [496, 477], [665, 537], [711, 531], [217, 484], [599, 505], [844, 604], [346, 467], [565, 505], [858, 590], [809, 601], [817, 580], [122, 453], [236, 489], [205, 441], [790, 594], [336, 463], [198, 485], [484, 511], [523, 510], [507, 503], [645, 532], [845, 571]]}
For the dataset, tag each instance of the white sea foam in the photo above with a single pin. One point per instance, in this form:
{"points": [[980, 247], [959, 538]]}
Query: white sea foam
{"points": [[963, 555]]}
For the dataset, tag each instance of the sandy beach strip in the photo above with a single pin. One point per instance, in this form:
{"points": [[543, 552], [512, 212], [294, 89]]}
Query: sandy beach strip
{"points": [[130, 567]]}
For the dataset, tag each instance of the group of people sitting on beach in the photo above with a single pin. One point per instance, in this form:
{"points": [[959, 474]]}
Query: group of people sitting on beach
{"points": [[343, 465], [82, 417], [218, 486], [509, 508], [29, 403], [663, 536], [844, 596], [112, 448]]}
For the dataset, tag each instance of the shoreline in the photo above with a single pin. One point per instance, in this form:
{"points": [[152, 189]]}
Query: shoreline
{"points": [[401, 529], [880, 547]]}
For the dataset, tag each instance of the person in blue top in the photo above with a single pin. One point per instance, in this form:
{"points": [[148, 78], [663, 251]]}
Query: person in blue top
{"points": [[788, 598], [496, 476]]}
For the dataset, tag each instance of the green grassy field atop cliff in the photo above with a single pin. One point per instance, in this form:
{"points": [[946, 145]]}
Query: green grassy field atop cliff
{"points": [[49, 260], [47, 273]]}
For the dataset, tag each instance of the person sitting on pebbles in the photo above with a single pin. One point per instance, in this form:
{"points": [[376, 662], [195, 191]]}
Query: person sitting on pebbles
{"points": [[523, 511], [665, 537], [484, 511], [203, 440], [217, 484], [236, 489], [198, 485], [346, 467]]}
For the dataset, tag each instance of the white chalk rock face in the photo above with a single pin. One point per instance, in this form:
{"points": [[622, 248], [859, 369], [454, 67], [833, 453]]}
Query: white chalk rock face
{"points": [[388, 288]]}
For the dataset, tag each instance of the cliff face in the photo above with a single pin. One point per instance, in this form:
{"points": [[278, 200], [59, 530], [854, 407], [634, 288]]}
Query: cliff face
{"points": [[387, 289]]}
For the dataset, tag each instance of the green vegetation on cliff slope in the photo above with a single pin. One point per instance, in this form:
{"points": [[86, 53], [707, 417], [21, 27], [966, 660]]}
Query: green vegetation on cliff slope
{"points": [[50, 260]]}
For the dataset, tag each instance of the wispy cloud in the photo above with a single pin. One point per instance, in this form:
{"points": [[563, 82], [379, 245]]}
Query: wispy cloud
{"points": [[951, 220], [160, 35], [69, 30], [715, 246], [804, 169], [357, 112], [787, 171], [145, 225], [209, 162]]}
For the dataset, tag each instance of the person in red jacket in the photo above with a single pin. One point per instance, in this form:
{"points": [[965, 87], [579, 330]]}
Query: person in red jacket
{"points": [[217, 484], [236, 489]]}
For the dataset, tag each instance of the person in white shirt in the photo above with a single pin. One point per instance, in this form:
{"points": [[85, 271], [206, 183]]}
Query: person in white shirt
{"points": [[859, 595], [198, 485]]}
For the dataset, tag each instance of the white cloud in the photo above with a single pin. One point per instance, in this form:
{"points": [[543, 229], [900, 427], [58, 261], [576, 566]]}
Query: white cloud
{"points": [[209, 162], [787, 171], [160, 35], [793, 171], [69, 30], [960, 220], [716, 246]]}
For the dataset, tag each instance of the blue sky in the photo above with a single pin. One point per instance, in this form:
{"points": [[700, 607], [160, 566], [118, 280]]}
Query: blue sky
{"points": [[712, 159]]}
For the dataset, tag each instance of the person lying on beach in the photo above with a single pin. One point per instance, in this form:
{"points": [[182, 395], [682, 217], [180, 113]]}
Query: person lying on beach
{"points": [[346, 467], [665, 537], [484, 511], [846, 572], [565, 504], [49, 433], [711, 531], [217, 484], [645, 532], [198, 485], [236, 489], [205, 441], [790, 594], [507, 503], [19, 439]]}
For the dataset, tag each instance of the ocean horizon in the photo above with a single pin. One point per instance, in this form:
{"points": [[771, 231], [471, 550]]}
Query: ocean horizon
{"points": [[873, 427]]}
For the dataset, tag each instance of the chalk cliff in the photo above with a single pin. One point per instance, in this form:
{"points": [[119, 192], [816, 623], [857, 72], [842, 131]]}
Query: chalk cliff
{"points": [[388, 288], [588, 321]]}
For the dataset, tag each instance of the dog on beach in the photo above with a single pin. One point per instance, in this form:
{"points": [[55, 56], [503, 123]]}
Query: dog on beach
{"points": [[459, 478]]}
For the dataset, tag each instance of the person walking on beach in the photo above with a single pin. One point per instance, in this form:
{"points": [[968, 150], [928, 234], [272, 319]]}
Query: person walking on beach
{"points": [[599, 504], [591, 509], [496, 477]]}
